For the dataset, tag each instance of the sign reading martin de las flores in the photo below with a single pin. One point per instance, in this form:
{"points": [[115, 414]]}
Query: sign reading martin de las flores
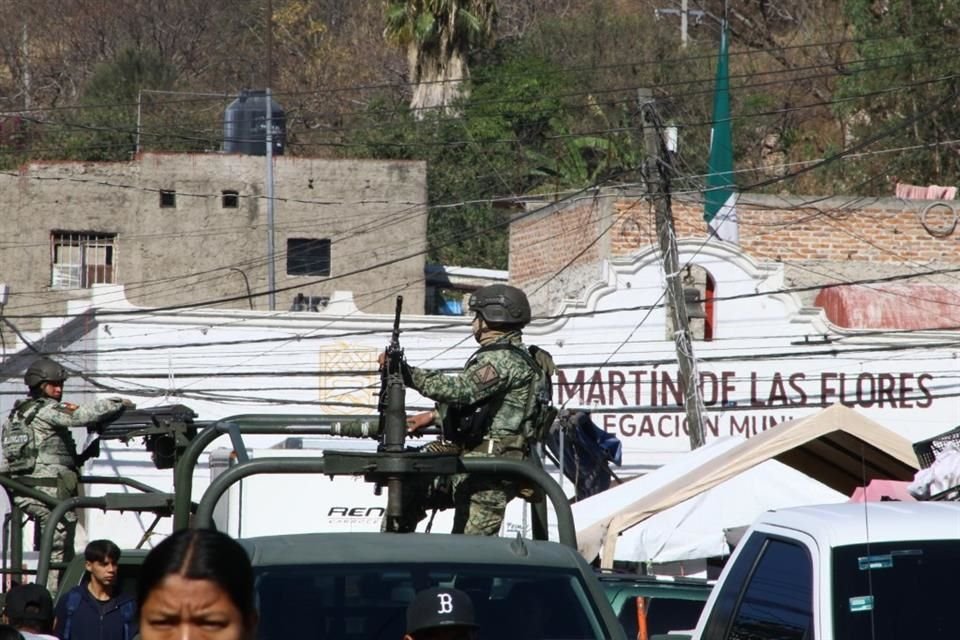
{"points": [[771, 359], [648, 402]]}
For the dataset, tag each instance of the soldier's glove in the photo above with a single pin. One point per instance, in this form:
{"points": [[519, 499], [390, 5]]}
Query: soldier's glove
{"points": [[125, 402], [543, 359]]}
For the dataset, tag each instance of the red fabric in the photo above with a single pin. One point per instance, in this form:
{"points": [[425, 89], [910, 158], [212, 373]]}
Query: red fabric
{"points": [[877, 490], [931, 192]]}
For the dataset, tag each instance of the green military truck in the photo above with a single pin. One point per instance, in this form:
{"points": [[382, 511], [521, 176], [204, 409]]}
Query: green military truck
{"points": [[346, 586]]}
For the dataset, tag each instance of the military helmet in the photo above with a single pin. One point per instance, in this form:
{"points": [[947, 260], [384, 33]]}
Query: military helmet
{"points": [[501, 304], [440, 607], [44, 370]]}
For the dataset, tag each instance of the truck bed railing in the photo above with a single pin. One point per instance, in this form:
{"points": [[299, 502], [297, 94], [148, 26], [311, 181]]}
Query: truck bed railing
{"points": [[375, 467], [368, 465]]}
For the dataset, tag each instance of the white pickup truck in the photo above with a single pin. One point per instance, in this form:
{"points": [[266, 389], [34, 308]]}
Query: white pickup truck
{"points": [[853, 571]]}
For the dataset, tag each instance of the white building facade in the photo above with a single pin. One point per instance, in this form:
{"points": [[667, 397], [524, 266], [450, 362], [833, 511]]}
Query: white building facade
{"points": [[770, 360]]}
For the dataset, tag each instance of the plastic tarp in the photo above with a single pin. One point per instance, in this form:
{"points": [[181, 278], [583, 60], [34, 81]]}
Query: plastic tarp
{"points": [[587, 453], [836, 446]]}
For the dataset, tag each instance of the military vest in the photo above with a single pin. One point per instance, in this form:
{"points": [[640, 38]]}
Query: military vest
{"points": [[469, 425], [18, 440], [28, 440]]}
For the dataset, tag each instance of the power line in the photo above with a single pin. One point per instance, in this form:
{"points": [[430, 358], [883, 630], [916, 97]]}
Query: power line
{"points": [[632, 64]]}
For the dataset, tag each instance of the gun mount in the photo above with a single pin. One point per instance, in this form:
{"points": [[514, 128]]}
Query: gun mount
{"points": [[166, 430]]}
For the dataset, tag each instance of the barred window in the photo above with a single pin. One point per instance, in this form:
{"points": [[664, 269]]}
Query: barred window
{"points": [[81, 259]]}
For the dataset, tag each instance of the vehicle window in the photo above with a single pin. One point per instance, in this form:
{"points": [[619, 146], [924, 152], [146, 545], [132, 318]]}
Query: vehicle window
{"points": [[890, 591], [664, 614], [778, 600], [127, 577], [360, 602]]}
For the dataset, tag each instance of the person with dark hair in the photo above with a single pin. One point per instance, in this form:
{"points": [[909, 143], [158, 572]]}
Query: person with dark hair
{"points": [[9, 632], [94, 609], [441, 613], [197, 581], [29, 608], [39, 449]]}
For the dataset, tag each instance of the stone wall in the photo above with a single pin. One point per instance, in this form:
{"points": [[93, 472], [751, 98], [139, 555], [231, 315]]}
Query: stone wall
{"points": [[205, 249]]}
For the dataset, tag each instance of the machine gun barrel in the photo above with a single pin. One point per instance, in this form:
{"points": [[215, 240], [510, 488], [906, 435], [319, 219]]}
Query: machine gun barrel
{"points": [[166, 430], [393, 417], [391, 405], [355, 430]]}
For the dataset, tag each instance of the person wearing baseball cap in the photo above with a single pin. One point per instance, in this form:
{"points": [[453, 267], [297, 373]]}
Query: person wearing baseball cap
{"points": [[441, 613], [29, 608]]}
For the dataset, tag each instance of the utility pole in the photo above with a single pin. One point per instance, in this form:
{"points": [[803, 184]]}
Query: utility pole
{"points": [[658, 189], [25, 75], [271, 248], [684, 13], [683, 23]]}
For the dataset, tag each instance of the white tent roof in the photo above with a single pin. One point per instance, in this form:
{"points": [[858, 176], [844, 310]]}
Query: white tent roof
{"points": [[696, 528], [836, 446]]}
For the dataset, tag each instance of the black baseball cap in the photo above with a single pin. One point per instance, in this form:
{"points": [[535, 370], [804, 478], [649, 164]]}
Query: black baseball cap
{"points": [[29, 603], [440, 607]]}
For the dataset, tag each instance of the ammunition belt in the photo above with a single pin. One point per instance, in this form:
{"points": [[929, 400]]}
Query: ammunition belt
{"points": [[502, 445]]}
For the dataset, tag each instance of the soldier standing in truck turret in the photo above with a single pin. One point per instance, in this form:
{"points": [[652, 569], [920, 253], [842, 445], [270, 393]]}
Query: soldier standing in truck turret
{"points": [[39, 449], [488, 408]]}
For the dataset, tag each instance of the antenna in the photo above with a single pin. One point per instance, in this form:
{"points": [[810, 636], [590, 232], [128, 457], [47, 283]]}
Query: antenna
{"points": [[866, 536]]}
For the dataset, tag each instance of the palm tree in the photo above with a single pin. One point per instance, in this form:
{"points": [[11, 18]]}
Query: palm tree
{"points": [[438, 35]]}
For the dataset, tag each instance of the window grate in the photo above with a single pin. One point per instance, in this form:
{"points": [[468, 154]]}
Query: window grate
{"points": [[81, 259]]}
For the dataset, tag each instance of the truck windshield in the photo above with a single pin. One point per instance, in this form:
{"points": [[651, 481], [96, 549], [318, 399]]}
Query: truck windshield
{"points": [[891, 591], [353, 602]]}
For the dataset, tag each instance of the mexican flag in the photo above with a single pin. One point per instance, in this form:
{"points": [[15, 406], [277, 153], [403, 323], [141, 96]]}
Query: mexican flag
{"points": [[720, 197]]}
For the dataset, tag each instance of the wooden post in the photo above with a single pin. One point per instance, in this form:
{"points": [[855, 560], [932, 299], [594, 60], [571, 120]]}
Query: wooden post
{"points": [[658, 188]]}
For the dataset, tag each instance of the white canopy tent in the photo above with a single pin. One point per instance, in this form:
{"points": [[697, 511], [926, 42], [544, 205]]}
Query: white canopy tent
{"points": [[696, 528], [837, 447]]}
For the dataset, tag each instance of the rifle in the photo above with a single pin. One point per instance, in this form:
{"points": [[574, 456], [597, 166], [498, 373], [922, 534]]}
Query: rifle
{"points": [[391, 406], [392, 423]]}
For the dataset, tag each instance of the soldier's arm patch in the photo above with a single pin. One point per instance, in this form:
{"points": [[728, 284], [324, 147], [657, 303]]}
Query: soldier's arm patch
{"points": [[66, 407], [485, 376]]}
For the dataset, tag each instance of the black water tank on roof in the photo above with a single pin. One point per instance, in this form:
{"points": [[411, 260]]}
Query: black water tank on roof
{"points": [[244, 129]]}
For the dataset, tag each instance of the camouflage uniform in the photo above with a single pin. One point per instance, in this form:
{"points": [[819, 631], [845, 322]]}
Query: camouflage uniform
{"points": [[56, 470], [500, 379]]}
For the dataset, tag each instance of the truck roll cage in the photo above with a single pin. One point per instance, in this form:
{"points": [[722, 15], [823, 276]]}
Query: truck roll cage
{"points": [[388, 468]]}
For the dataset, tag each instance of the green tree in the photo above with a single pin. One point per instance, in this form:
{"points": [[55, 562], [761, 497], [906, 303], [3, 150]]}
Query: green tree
{"points": [[106, 128], [904, 84], [523, 128], [439, 36]]}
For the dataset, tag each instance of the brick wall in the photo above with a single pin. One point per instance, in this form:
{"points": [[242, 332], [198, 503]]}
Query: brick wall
{"points": [[819, 240]]}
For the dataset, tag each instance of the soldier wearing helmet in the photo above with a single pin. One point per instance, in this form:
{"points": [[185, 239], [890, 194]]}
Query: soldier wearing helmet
{"points": [[39, 449], [486, 408]]}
